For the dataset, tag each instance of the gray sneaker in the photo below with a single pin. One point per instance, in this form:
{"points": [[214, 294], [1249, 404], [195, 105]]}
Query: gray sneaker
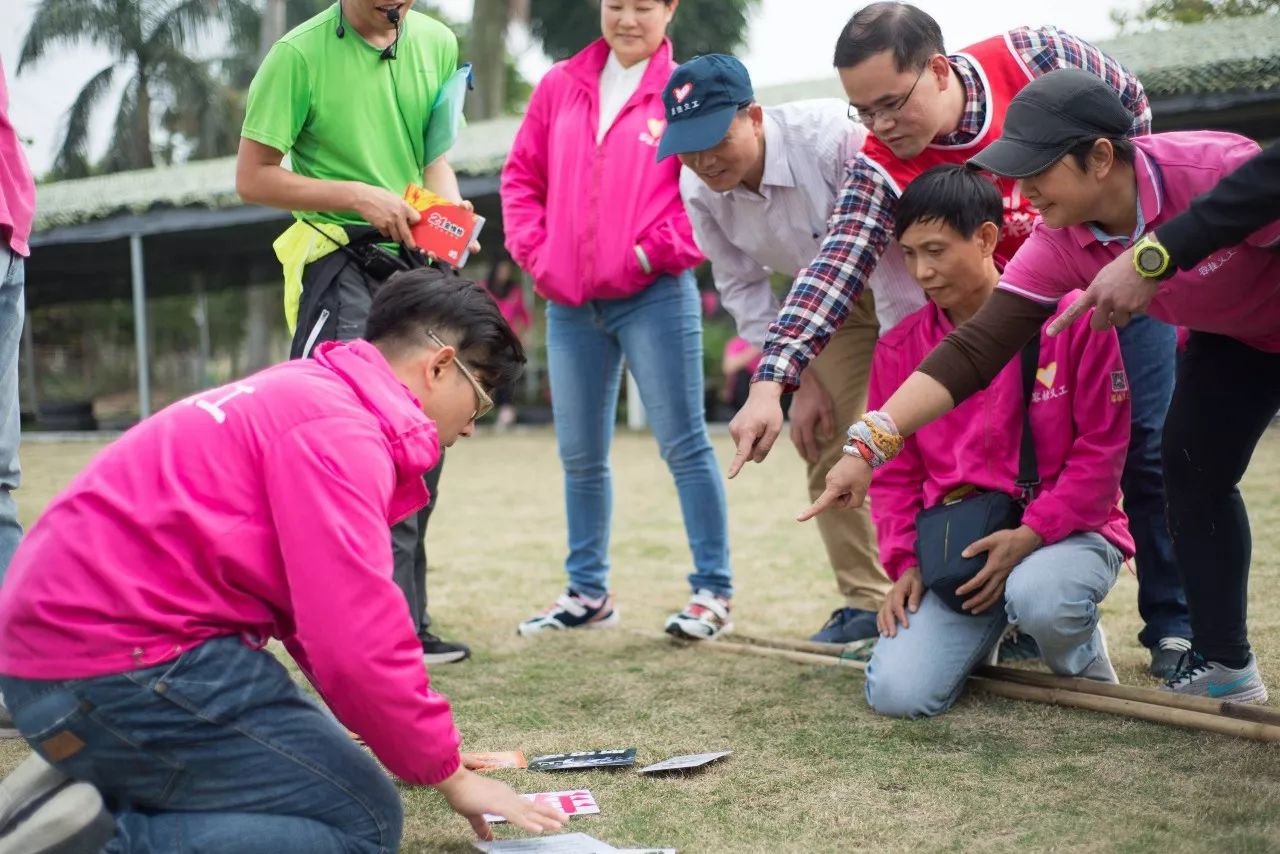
{"points": [[1217, 681], [33, 779], [1165, 656], [72, 820]]}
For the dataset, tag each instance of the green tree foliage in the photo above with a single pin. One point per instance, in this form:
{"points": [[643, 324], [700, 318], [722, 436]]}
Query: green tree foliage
{"points": [[700, 26], [1156, 12], [151, 49]]}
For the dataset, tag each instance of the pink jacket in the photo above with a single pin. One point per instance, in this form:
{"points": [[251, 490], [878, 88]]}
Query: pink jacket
{"points": [[17, 189], [572, 210], [257, 509], [1079, 418]]}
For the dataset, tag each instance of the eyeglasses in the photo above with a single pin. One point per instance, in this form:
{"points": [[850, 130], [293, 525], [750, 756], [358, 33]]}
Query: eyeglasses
{"points": [[484, 403], [868, 117]]}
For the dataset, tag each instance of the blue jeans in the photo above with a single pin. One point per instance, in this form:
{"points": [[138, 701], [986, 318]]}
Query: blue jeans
{"points": [[1053, 596], [659, 332], [12, 309], [1149, 349], [216, 750]]}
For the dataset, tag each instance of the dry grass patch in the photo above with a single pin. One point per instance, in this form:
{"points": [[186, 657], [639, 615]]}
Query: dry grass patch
{"points": [[813, 769]]}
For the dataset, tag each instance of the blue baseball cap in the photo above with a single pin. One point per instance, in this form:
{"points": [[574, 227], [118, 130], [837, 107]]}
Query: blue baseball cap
{"points": [[701, 99]]}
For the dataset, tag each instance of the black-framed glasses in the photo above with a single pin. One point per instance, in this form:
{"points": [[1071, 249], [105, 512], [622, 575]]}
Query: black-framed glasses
{"points": [[868, 117], [484, 403]]}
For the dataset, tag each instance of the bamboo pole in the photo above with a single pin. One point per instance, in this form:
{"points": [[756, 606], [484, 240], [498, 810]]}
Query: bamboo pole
{"points": [[1205, 705], [1129, 708], [1209, 715]]}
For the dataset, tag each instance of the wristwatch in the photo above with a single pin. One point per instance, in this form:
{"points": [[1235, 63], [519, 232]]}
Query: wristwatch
{"points": [[1151, 260]]}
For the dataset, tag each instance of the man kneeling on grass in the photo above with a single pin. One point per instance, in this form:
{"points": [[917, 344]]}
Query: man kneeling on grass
{"points": [[133, 618], [1047, 574]]}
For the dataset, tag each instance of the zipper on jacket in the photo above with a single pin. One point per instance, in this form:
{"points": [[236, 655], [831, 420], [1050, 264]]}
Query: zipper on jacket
{"points": [[315, 332]]}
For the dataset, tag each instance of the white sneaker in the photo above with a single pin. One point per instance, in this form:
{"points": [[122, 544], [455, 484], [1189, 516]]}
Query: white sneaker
{"points": [[572, 611], [1203, 678], [706, 617]]}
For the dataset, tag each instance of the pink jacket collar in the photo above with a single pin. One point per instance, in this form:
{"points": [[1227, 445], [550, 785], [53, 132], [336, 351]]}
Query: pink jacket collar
{"points": [[586, 65], [414, 443]]}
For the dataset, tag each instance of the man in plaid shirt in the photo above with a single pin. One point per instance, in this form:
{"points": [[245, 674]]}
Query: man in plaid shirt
{"points": [[925, 108]]}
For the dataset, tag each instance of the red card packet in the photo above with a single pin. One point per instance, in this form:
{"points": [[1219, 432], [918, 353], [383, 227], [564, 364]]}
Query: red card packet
{"points": [[445, 229]]}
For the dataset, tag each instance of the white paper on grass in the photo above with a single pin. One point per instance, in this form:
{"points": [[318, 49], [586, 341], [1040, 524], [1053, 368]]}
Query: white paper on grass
{"points": [[676, 763], [562, 843], [578, 802]]}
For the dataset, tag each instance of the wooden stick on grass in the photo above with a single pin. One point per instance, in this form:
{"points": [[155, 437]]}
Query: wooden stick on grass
{"points": [[993, 680]]}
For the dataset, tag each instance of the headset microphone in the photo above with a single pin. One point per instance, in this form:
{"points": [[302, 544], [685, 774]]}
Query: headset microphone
{"points": [[389, 52]]}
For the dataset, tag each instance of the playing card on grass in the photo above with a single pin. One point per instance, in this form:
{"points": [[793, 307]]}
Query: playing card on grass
{"points": [[580, 802], [562, 843], [683, 763], [584, 759]]}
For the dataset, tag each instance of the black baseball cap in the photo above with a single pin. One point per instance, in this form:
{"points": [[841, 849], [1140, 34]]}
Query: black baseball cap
{"points": [[1050, 115], [701, 99]]}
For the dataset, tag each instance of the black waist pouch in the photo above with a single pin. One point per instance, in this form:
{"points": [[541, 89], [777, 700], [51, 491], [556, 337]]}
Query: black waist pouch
{"points": [[943, 532]]}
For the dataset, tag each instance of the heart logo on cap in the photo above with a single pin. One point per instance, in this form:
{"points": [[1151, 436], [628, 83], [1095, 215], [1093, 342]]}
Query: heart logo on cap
{"points": [[682, 92]]}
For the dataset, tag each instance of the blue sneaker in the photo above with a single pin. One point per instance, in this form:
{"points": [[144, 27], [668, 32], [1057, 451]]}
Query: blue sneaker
{"points": [[847, 625], [1202, 678]]}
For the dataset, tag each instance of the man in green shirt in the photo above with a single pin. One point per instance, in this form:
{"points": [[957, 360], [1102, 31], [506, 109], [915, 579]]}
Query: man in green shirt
{"points": [[349, 95]]}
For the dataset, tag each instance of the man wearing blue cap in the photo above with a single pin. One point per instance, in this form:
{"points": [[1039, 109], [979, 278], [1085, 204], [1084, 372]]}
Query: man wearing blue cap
{"points": [[759, 185]]}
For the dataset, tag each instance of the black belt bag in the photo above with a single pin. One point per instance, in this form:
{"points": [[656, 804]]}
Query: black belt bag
{"points": [[943, 532]]}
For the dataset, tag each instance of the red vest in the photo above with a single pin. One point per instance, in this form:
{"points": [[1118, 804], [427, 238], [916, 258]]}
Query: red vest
{"points": [[1003, 75]]}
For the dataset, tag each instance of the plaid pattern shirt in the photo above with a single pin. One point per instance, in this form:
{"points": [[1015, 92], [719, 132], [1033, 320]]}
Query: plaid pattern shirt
{"points": [[861, 225]]}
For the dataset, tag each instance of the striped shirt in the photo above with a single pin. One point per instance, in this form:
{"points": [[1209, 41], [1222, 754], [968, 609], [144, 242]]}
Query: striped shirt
{"points": [[747, 234], [861, 226]]}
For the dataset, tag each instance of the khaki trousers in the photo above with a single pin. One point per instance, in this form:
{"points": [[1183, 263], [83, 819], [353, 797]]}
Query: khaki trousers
{"points": [[844, 369]]}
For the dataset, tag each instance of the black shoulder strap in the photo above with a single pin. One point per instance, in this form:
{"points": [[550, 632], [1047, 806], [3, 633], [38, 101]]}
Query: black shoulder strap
{"points": [[1028, 470]]}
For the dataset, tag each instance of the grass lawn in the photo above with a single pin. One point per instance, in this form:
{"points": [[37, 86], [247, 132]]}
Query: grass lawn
{"points": [[813, 769]]}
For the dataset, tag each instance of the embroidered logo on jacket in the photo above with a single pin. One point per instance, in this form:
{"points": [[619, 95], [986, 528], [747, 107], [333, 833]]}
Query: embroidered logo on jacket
{"points": [[653, 133]]}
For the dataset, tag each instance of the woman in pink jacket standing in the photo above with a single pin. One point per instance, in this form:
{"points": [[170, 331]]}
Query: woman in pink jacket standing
{"points": [[1045, 576], [599, 224]]}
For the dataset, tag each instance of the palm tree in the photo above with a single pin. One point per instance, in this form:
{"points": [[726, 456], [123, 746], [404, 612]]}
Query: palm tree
{"points": [[149, 42]]}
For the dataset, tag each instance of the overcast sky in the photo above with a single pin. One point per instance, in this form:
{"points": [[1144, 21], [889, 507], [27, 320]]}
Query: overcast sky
{"points": [[790, 40]]}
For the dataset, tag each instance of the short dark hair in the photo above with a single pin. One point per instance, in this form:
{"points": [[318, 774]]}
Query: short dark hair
{"points": [[456, 309], [912, 34], [952, 194], [1124, 150]]}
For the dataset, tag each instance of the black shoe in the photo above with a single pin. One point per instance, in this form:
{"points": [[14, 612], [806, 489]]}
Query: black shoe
{"points": [[1166, 654], [1015, 646], [437, 651]]}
